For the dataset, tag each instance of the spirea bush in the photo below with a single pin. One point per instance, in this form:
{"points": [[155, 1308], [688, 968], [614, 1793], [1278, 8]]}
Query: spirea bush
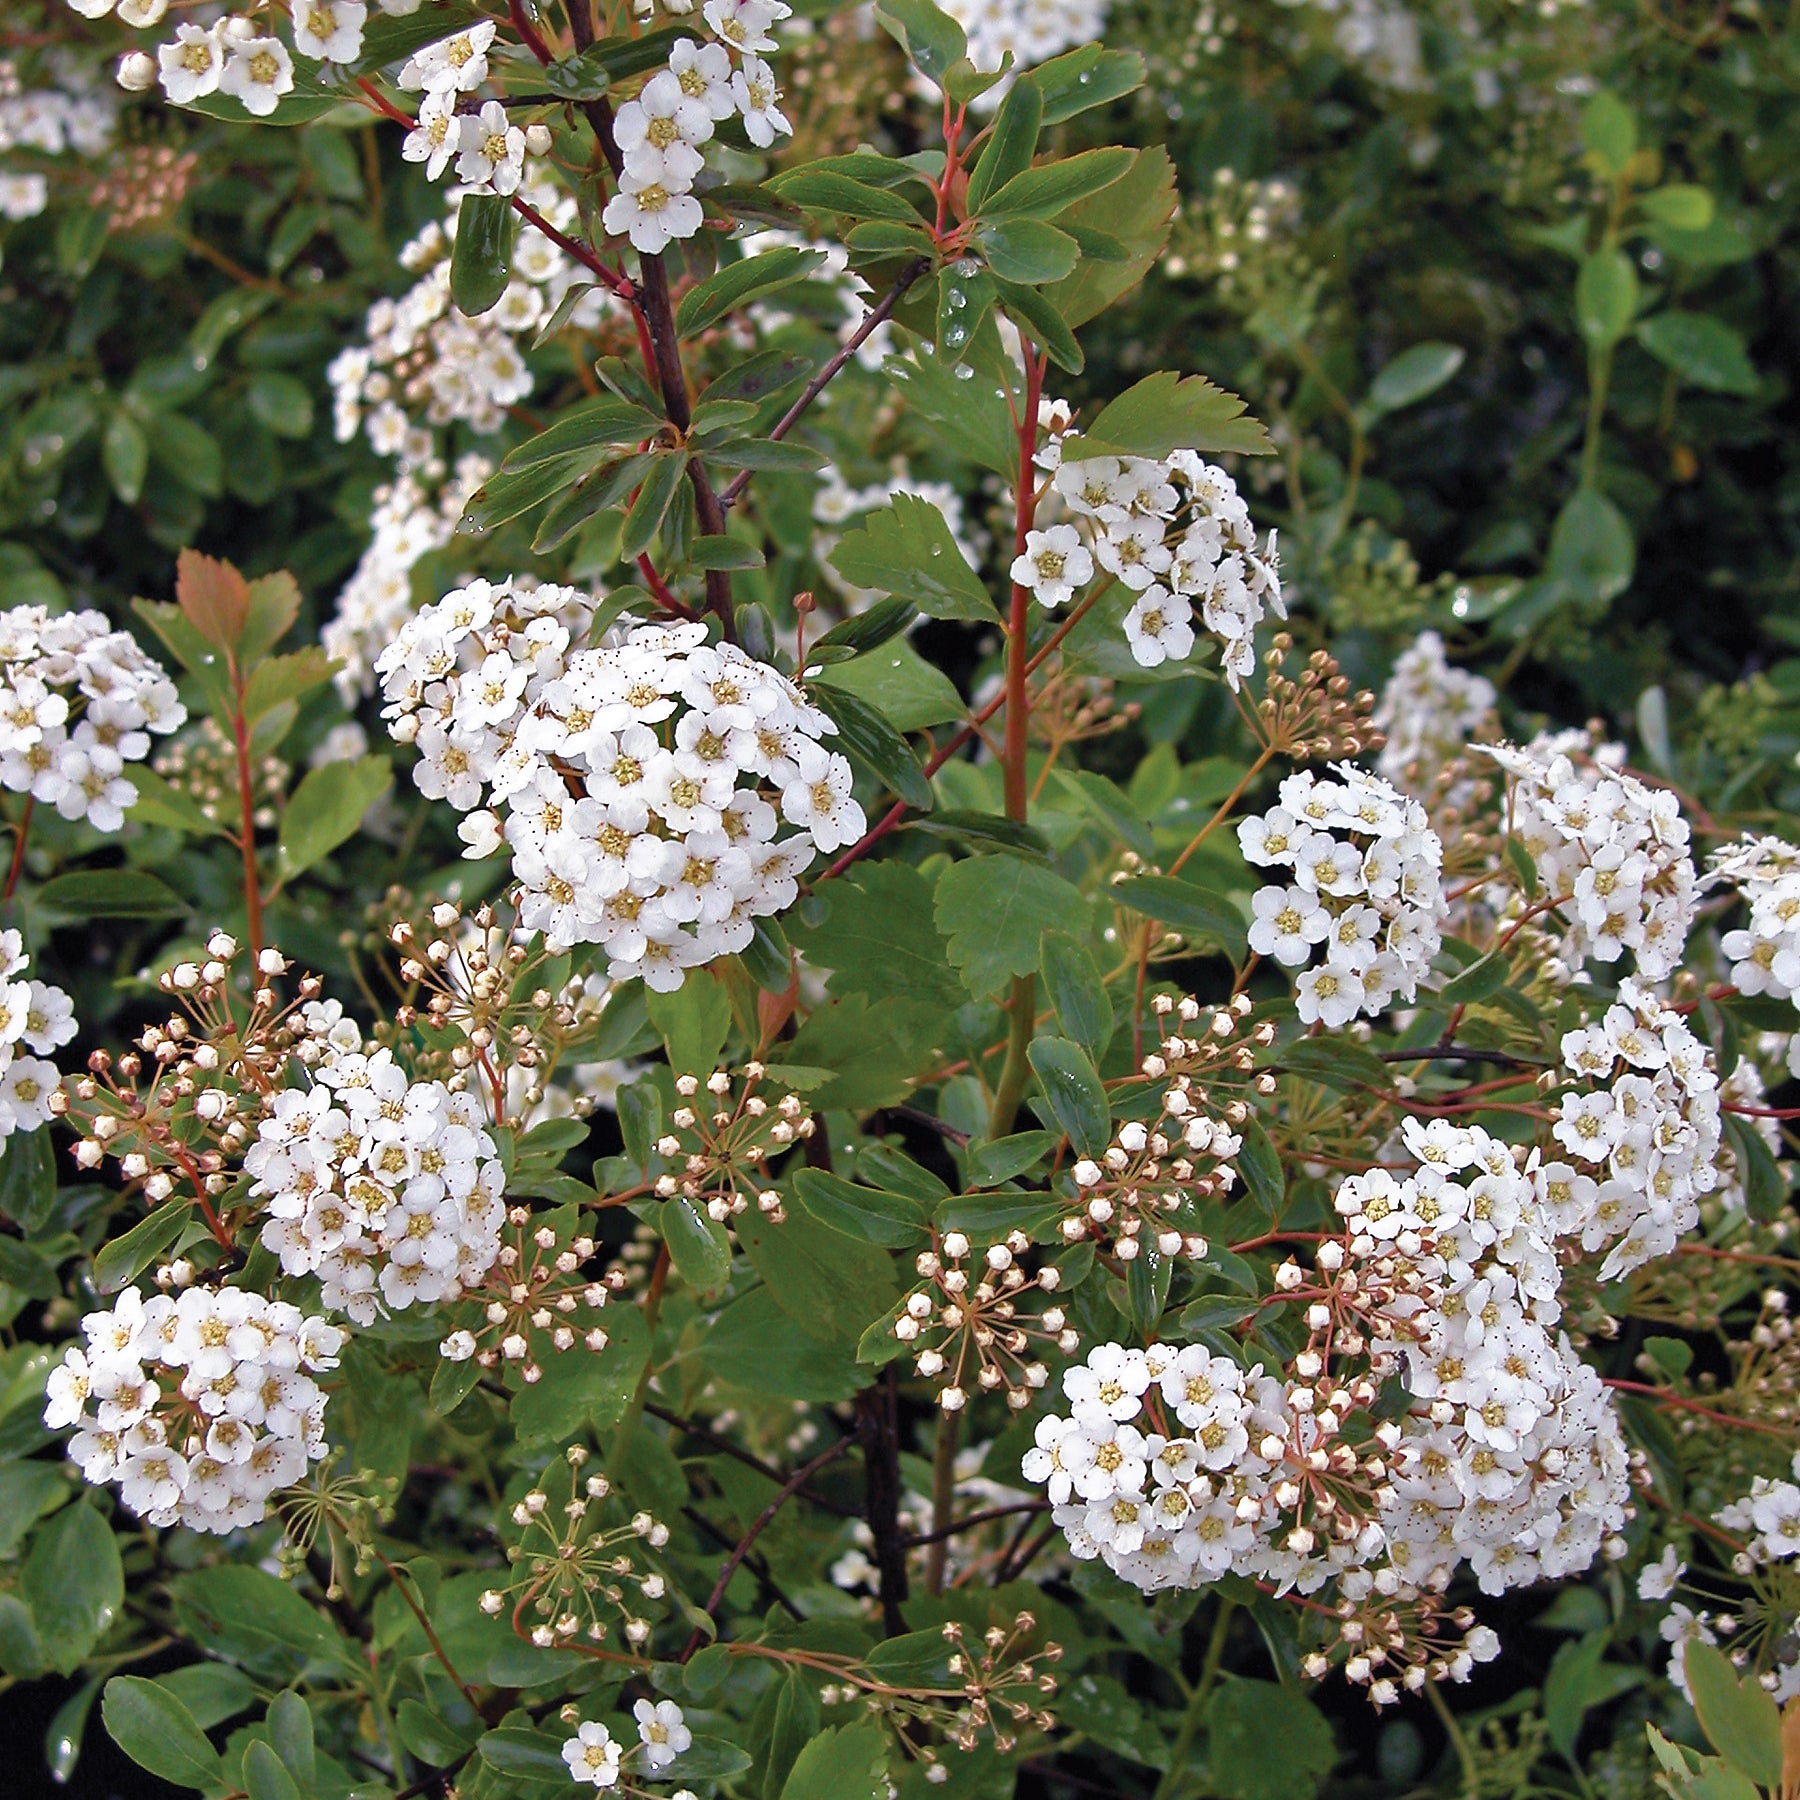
{"points": [[777, 1020]]}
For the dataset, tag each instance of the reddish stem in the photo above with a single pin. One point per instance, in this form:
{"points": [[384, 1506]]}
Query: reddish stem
{"points": [[528, 32], [1664, 1398], [18, 855]]}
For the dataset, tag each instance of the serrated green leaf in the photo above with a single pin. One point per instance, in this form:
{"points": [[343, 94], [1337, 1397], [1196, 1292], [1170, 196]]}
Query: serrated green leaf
{"points": [[908, 550], [994, 910]]}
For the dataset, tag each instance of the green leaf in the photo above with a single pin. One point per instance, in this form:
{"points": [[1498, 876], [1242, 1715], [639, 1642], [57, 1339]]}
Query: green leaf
{"points": [[1027, 250], [1680, 205], [187, 452], [1765, 1189], [869, 630], [1010, 148], [1073, 1093], [986, 830], [264, 1777], [1591, 550], [877, 936], [694, 1022], [525, 1753], [111, 894], [724, 552], [931, 39], [994, 910], [327, 809], [212, 1691], [74, 1583], [1416, 372], [964, 303], [849, 1763], [1077, 990], [1186, 906], [1740, 1720], [584, 1389], [603, 420], [830, 1285], [1579, 1680], [158, 1733], [654, 498], [1265, 1180], [1482, 978], [1164, 412], [825, 191], [481, 263], [121, 1259], [1608, 131], [281, 402], [278, 679], [704, 306], [1080, 79], [1040, 317], [125, 455], [1050, 188], [972, 414], [866, 737], [246, 1615], [908, 690], [908, 550], [1266, 1742], [291, 1734], [1002, 1158], [697, 1244], [589, 75], [1700, 349], [1606, 296], [159, 803], [706, 1758], [870, 1214], [28, 1179]]}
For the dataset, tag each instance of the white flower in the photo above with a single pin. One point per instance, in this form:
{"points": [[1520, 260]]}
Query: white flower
{"points": [[1287, 923], [192, 64], [662, 1731], [1158, 628], [1657, 1580], [436, 137], [650, 215], [329, 30], [593, 1755], [758, 102], [1055, 564], [457, 65], [257, 73], [703, 73], [493, 152], [744, 24]]}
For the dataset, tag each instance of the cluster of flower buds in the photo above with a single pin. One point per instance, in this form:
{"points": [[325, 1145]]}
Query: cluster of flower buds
{"points": [[975, 1327], [535, 1299], [573, 1575], [1316, 716], [178, 1109], [1142, 1189], [722, 1144]]}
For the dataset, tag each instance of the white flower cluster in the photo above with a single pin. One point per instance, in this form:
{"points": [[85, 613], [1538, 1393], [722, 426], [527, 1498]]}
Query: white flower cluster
{"points": [[39, 1017], [1611, 850], [595, 1755], [1769, 1515], [1429, 711], [423, 363], [1517, 1464], [413, 515], [1765, 952], [389, 1190], [1033, 30], [1175, 1465], [659, 134], [1645, 1122], [49, 121], [1365, 889], [1177, 534], [52, 663], [199, 1405], [620, 770]]}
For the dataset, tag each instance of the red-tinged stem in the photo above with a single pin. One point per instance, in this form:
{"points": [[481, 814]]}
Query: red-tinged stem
{"points": [[528, 32], [431, 1636], [18, 855], [1664, 1398], [1762, 1112], [892, 817], [660, 588], [247, 819], [882, 309], [789, 1488]]}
